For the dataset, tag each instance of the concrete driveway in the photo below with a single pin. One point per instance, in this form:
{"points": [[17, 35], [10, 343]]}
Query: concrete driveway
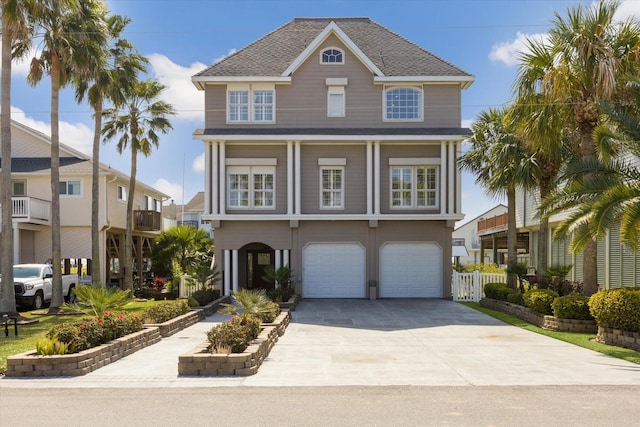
{"points": [[383, 342]]}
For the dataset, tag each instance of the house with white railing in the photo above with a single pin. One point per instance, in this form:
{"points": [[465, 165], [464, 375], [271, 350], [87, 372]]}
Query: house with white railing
{"points": [[31, 207]]}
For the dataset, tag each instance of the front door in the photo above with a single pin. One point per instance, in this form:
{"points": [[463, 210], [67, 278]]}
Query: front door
{"points": [[257, 262]]}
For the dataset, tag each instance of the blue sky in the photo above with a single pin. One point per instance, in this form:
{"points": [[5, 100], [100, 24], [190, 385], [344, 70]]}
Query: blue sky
{"points": [[182, 37]]}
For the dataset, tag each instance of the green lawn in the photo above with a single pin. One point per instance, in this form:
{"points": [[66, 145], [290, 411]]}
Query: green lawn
{"points": [[29, 335], [581, 340]]}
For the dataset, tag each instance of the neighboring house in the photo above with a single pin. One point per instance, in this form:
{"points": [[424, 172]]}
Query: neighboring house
{"points": [[618, 266], [31, 186], [468, 236], [189, 214], [331, 146]]}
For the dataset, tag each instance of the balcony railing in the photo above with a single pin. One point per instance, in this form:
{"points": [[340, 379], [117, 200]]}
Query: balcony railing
{"points": [[147, 220], [496, 223], [30, 210]]}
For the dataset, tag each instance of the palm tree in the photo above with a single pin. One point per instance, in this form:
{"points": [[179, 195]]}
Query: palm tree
{"points": [[501, 163], [611, 195], [109, 83], [183, 244], [143, 116], [579, 65], [73, 35], [15, 27]]}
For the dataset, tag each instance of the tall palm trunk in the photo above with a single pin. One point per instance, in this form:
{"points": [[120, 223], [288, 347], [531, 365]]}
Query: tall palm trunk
{"points": [[543, 236], [128, 241], [590, 253], [57, 297], [95, 199], [7, 291], [512, 235]]}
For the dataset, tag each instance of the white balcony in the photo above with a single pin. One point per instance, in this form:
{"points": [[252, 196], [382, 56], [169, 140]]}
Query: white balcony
{"points": [[31, 210]]}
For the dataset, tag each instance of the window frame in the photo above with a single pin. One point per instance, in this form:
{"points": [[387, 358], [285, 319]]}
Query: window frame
{"points": [[251, 107], [13, 188], [121, 193], [420, 105], [331, 48], [251, 191], [66, 184], [332, 190], [337, 90], [413, 190]]}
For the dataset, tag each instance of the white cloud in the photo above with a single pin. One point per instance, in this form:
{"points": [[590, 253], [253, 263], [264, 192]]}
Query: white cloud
{"points": [[181, 93], [509, 52], [628, 9], [198, 164], [75, 135], [467, 123], [173, 190]]}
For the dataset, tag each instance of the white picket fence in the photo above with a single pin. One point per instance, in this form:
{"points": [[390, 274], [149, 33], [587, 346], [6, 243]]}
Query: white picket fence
{"points": [[469, 287]]}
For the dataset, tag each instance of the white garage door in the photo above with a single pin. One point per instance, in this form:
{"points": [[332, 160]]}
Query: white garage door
{"points": [[411, 270], [333, 270]]}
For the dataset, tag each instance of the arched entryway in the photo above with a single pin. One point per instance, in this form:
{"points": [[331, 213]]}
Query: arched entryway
{"points": [[254, 258]]}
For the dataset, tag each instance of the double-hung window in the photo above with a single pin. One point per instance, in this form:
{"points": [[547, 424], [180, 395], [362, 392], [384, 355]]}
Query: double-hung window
{"points": [[332, 187], [402, 104], [414, 187], [251, 187], [70, 188], [253, 103], [122, 193]]}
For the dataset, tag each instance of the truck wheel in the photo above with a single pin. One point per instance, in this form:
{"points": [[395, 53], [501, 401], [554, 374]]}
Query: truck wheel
{"points": [[38, 301], [71, 296]]}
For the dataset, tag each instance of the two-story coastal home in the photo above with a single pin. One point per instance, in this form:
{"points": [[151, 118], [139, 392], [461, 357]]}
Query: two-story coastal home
{"points": [[31, 187], [331, 148]]}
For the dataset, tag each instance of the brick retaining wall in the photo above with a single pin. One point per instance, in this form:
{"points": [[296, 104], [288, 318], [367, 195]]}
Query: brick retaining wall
{"points": [[618, 338], [551, 323], [176, 324], [200, 361], [30, 364]]}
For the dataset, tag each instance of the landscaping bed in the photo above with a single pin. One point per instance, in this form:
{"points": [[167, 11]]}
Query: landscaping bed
{"points": [[30, 364], [201, 362], [548, 322], [618, 338]]}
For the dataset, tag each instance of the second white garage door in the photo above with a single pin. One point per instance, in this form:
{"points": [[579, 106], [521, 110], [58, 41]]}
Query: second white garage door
{"points": [[411, 270], [333, 270]]}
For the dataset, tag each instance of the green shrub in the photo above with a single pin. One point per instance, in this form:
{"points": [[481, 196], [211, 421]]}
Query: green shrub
{"points": [[540, 300], [482, 268], [515, 297], [617, 308], [205, 296], [51, 346], [91, 332], [281, 293], [497, 291], [166, 310], [270, 314], [572, 307], [192, 302]]}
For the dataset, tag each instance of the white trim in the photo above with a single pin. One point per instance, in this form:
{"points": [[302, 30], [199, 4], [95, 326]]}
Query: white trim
{"points": [[416, 88], [450, 173], [342, 107], [369, 177], [290, 177], [396, 216], [376, 177], [332, 28], [326, 161], [227, 272], [212, 182], [245, 161], [200, 82], [222, 179], [342, 186], [464, 81], [443, 175], [329, 138], [458, 180], [298, 179], [251, 171], [414, 189], [234, 263], [285, 255], [413, 161], [208, 189], [336, 81], [72, 196]]}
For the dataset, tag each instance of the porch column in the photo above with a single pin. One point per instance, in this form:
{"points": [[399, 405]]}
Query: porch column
{"points": [[222, 186], [290, 178], [443, 177], [285, 257], [235, 269], [298, 192], [369, 177], [16, 244], [227, 272], [458, 152], [376, 183], [451, 173], [278, 263], [212, 181]]}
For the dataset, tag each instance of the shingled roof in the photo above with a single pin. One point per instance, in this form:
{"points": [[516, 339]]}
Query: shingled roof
{"points": [[391, 53]]}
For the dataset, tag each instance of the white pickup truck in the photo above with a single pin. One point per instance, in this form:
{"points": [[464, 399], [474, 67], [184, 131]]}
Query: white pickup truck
{"points": [[33, 284]]}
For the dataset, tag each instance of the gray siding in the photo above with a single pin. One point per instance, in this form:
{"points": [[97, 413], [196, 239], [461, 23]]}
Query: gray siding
{"points": [[304, 102]]}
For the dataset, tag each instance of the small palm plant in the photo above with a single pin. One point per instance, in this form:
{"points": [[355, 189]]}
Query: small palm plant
{"points": [[95, 300], [251, 302]]}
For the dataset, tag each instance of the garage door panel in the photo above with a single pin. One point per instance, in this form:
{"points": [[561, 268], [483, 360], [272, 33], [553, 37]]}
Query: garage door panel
{"points": [[411, 270], [335, 270]]}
